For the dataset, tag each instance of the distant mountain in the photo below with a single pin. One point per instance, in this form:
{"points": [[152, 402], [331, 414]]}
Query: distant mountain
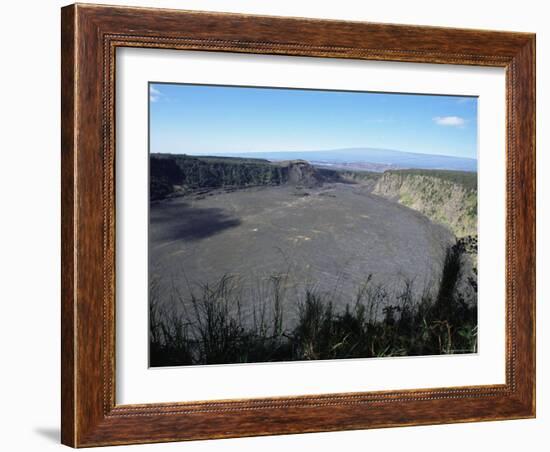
{"points": [[378, 158]]}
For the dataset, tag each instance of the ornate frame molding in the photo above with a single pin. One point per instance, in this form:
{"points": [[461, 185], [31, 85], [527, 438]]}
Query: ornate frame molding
{"points": [[90, 36]]}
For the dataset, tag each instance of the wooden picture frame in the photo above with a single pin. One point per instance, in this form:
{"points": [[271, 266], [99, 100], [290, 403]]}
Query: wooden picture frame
{"points": [[90, 36]]}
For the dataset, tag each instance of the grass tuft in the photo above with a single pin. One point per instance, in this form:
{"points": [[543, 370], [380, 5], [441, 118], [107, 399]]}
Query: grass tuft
{"points": [[211, 328]]}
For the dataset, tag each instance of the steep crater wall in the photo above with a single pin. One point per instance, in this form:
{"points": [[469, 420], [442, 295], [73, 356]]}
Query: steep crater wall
{"points": [[446, 197], [179, 174]]}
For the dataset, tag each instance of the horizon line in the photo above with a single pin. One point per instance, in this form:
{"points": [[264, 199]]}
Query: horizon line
{"points": [[320, 150]]}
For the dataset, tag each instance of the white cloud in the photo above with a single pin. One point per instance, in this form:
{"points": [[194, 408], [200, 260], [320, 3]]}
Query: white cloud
{"points": [[454, 121], [154, 94]]}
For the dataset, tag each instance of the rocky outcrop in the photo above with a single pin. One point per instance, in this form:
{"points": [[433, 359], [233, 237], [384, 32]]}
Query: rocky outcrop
{"points": [[302, 173]]}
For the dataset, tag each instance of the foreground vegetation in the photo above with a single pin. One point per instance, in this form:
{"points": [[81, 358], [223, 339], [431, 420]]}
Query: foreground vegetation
{"points": [[210, 328]]}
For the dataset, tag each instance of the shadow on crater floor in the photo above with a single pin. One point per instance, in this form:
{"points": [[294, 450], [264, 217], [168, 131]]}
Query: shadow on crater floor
{"points": [[180, 221]]}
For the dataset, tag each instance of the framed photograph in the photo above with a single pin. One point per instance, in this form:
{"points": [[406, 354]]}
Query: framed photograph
{"points": [[281, 225]]}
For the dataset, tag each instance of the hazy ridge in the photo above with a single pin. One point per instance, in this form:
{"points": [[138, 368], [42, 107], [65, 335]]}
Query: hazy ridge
{"points": [[379, 159]]}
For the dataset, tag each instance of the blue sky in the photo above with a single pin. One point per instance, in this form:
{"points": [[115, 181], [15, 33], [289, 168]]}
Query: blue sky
{"points": [[195, 119]]}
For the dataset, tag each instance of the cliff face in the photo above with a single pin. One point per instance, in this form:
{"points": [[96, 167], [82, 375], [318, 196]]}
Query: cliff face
{"points": [[444, 197], [171, 174]]}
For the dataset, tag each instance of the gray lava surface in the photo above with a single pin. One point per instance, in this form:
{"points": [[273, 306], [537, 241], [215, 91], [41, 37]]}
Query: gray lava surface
{"points": [[328, 238]]}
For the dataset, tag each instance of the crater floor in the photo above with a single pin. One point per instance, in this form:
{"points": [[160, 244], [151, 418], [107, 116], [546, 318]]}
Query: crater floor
{"points": [[328, 238]]}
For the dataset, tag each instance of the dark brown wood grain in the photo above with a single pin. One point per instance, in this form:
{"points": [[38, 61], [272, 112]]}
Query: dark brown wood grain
{"points": [[67, 225], [90, 36]]}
